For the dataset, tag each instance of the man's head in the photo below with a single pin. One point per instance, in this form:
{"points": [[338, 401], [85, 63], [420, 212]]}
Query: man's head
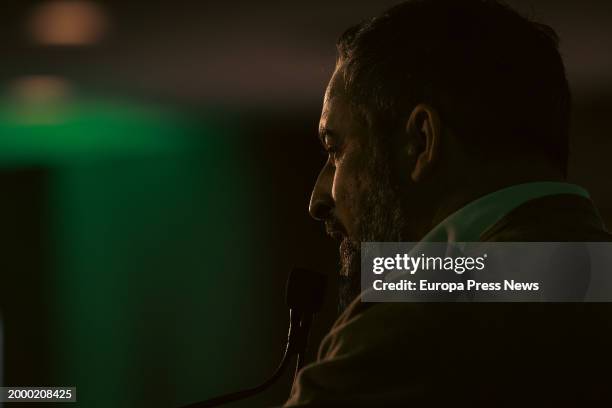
{"points": [[432, 104]]}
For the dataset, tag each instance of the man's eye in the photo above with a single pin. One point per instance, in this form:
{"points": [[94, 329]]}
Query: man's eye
{"points": [[332, 153]]}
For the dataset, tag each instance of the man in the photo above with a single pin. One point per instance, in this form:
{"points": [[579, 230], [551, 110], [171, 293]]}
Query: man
{"points": [[448, 120]]}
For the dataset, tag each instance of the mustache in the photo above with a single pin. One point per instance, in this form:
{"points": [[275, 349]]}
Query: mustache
{"points": [[335, 229]]}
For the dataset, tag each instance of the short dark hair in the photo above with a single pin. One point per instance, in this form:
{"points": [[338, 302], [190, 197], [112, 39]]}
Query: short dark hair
{"points": [[496, 77]]}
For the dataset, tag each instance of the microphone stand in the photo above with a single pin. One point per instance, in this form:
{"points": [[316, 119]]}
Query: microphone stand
{"points": [[304, 297]]}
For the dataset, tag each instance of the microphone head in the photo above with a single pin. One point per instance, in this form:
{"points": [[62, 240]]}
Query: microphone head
{"points": [[305, 290]]}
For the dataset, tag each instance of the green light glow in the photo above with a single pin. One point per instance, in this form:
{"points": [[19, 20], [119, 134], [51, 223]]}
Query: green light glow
{"points": [[150, 213], [88, 130]]}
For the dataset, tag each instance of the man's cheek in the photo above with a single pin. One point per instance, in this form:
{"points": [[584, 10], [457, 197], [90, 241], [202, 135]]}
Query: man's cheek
{"points": [[347, 192], [341, 193]]}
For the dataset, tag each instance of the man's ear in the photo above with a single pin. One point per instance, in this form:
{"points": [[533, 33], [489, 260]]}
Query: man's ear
{"points": [[424, 131]]}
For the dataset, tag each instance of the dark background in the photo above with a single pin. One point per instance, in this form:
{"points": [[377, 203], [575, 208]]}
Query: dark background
{"points": [[155, 180]]}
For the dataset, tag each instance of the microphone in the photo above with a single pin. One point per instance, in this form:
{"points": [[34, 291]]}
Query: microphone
{"points": [[304, 294]]}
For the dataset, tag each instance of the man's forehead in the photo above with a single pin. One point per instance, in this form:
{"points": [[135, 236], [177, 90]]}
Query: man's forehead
{"points": [[338, 118], [335, 113], [335, 87], [334, 102]]}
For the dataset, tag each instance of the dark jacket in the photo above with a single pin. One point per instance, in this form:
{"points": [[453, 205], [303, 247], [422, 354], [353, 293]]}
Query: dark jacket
{"points": [[474, 354]]}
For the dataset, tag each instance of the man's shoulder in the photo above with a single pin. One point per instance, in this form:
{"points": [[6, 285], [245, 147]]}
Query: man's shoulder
{"points": [[554, 218]]}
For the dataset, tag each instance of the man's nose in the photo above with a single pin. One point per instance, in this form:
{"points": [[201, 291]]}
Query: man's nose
{"points": [[321, 201]]}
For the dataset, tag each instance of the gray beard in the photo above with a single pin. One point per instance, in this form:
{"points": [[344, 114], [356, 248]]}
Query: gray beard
{"points": [[381, 220], [349, 283]]}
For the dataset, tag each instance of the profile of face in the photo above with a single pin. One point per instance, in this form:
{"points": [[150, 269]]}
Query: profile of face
{"points": [[375, 187], [354, 194]]}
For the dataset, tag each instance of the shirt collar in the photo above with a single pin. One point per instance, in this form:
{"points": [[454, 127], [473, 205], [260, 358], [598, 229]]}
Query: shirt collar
{"points": [[470, 221]]}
